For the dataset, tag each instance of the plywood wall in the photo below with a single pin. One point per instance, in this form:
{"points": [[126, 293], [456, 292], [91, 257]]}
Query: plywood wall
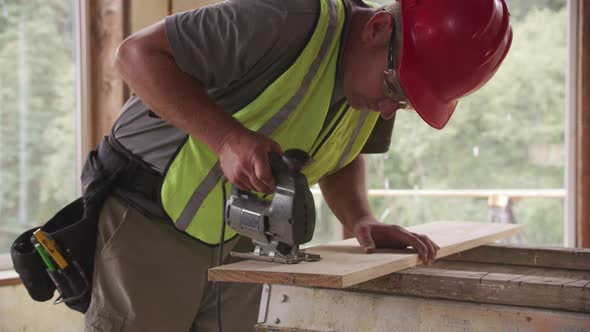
{"points": [[146, 12]]}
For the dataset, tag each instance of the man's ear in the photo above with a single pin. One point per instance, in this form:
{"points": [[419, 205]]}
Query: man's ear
{"points": [[378, 28]]}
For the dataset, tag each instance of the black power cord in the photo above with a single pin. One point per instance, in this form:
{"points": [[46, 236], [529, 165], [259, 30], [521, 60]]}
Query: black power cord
{"points": [[220, 256]]}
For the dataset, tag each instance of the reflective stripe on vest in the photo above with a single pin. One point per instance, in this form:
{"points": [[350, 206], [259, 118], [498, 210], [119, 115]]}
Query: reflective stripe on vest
{"points": [[291, 111]]}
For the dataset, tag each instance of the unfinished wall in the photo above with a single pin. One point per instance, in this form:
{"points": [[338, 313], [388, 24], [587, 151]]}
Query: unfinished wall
{"points": [[19, 313]]}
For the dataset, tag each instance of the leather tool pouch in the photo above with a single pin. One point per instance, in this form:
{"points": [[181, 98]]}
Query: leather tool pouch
{"points": [[74, 229]]}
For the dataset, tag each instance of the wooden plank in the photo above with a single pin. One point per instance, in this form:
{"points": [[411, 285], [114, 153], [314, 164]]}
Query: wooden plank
{"points": [[344, 264], [552, 257], [484, 287], [9, 278]]}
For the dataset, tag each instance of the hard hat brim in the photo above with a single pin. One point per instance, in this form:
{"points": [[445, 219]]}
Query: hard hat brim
{"points": [[426, 103]]}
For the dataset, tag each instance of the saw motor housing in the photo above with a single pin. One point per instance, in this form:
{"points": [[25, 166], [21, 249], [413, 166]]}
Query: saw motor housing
{"points": [[286, 221]]}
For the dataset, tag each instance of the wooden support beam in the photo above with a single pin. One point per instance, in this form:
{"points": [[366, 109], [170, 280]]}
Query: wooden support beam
{"points": [[105, 92], [583, 127], [485, 287], [511, 269]]}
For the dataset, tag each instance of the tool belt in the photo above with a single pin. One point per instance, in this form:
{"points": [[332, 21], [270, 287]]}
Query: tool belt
{"points": [[72, 232]]}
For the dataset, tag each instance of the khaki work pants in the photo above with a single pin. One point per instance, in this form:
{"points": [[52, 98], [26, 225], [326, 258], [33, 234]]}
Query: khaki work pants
{"points": [[150, 277]]}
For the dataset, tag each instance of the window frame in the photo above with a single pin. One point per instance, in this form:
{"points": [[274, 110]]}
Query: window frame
{"points": [[571, 134], [81, 90]]}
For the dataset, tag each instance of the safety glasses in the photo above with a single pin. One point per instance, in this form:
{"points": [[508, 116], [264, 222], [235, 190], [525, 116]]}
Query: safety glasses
{"points": [[392, 86]]}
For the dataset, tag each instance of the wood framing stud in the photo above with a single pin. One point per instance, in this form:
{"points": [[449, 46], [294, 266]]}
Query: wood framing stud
{"points": [[108, 27]]}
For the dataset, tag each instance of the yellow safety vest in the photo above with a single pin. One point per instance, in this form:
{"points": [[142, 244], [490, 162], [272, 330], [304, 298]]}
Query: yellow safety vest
{"points": [[291, 111]]}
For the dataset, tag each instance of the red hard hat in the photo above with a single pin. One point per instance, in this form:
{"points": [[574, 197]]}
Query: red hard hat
{"points": [[450, 49]]}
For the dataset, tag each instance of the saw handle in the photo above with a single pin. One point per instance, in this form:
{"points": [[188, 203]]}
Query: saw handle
{"points": [[293, 160], [290, 163]]}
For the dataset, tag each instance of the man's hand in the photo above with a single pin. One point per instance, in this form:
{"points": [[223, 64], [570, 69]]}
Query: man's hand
{"points": [[243, 157], [373, 234]]}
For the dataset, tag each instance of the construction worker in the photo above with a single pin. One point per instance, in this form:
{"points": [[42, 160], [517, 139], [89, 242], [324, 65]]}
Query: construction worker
{"points": [[218, 88]]}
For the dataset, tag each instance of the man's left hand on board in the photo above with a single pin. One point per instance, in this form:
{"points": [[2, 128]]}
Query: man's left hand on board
{"points": [[373, 234]]}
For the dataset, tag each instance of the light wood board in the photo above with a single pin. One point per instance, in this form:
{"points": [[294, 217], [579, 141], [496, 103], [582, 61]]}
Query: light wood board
{"points": [[344, 264]]}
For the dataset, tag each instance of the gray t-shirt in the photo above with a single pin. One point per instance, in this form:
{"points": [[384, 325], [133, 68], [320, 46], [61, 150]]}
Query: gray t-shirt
{"points": [[235, 49]]}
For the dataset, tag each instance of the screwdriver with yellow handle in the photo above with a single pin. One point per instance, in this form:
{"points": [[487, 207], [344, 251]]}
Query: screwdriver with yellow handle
{"points": [[51, 248]]}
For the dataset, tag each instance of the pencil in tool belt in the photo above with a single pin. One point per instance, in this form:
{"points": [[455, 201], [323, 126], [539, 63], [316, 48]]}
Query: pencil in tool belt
{"points": [[51, 248], [44, 257]]}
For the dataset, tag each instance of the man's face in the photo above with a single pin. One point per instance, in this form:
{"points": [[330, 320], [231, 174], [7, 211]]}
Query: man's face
{"points": [[365, 69]]}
